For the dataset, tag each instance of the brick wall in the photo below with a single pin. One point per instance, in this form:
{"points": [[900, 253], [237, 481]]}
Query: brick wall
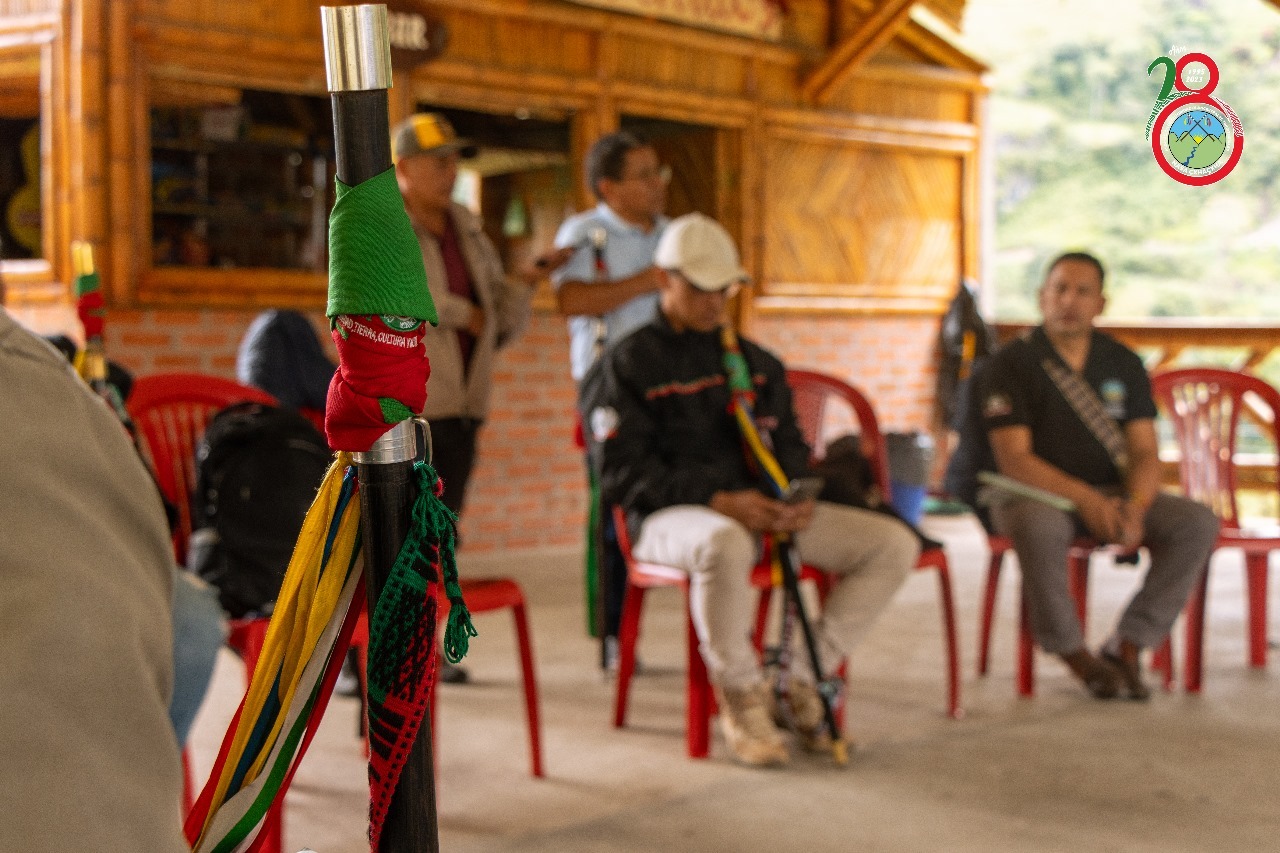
{"points": [[528, 489], [890, 359], [159, 341]]}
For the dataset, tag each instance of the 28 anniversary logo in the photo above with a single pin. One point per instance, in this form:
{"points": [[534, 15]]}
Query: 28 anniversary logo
{"points": [[1196, 138]]}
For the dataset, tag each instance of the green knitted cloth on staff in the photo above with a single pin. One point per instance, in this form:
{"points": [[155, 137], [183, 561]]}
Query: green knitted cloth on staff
{"points": [[375, 263], [87, 283]]}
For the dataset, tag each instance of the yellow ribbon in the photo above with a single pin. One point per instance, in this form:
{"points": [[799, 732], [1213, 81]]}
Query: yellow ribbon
{"points": [[308, 598]]}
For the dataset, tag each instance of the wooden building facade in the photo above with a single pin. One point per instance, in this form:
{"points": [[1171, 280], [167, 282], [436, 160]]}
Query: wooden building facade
{"points": [[839, 140]]}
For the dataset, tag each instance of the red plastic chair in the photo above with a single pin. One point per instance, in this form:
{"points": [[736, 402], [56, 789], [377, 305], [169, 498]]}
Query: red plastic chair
{"points": [[1078, 582], [1205, 406], [171, 412], [700, 703], [481, 595], [812, 394]]}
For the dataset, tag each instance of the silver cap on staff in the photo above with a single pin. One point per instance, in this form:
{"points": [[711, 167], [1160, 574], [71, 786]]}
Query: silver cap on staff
{"points": [[357, 50]]}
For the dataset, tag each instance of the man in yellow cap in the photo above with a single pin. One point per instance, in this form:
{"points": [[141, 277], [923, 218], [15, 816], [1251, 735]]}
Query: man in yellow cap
{"points": [[480, 307]]}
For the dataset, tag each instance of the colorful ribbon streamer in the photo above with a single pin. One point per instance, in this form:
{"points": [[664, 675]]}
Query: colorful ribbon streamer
{"points": [[304, 645]]}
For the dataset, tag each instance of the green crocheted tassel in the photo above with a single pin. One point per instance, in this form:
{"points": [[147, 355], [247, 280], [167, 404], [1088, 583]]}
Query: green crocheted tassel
{"points": [[458, 632], [433, 517]]}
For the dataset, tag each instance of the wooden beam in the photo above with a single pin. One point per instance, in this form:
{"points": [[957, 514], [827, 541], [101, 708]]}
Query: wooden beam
{"points": [[846, 57], [939, 41]]}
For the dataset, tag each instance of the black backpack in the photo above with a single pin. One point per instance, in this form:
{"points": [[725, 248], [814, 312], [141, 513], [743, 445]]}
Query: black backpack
{"points": [[257, 471], [964, 340], [849, 480]]}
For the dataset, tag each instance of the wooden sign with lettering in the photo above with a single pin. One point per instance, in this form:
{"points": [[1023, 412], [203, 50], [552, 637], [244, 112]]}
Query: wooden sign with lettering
{"points": [[416, 37], [756, 18]]}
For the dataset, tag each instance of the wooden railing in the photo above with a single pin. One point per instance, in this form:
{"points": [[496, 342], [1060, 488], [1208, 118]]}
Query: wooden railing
{"points": [[1162, 340]]}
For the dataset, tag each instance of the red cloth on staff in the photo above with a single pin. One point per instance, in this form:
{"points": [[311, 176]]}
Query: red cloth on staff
{"points": [[379, 366], [91, 310]]}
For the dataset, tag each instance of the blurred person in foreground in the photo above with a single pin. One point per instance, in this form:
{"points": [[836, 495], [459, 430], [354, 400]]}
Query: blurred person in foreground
{"points": [[91, 761]]}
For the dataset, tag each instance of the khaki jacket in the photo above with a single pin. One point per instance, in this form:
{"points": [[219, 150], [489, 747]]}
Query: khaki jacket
{"points": [[506, 307], [86, 588]]}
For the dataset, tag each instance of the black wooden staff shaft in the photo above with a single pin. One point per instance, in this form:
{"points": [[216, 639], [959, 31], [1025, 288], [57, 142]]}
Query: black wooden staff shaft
{"points": [[791, 585], [361, 130]]}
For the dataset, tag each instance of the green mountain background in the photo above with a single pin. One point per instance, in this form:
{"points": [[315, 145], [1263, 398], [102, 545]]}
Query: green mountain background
{"points": [[1074, 169], [1197, 155]]}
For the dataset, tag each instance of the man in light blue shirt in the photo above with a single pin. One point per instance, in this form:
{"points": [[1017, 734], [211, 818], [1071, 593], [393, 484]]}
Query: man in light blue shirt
{"points": [[609, 286]]}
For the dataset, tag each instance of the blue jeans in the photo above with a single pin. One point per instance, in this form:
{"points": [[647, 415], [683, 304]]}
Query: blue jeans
{"points": [[199, 630]]}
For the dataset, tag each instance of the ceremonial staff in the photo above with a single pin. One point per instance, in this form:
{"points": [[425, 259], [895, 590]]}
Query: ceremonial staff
{"points": [[378, 305], [91, 364], [786, 564], [358, 67], [794, 612]]}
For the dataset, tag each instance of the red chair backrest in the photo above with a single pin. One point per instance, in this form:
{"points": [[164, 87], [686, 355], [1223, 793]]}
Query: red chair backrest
{"points": [[171, 411], [813, 392], [1205, 404]]}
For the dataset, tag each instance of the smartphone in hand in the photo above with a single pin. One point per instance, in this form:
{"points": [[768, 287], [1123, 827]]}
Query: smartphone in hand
{"points": [[803, 489]]}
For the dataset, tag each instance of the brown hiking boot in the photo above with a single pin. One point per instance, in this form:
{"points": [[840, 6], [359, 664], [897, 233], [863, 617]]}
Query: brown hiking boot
{"points": [[807, 715], [747, 721]]}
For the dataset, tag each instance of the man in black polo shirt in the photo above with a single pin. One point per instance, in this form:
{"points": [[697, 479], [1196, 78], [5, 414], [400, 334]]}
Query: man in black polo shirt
{"points": [[1068, 410]]}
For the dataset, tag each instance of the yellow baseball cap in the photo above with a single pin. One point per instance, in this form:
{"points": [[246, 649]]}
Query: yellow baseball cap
{"points": [[427, 133]]}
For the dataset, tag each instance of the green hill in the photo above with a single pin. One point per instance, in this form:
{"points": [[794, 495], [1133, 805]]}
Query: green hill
{"points": [[1074, 168], [1196, 155]]}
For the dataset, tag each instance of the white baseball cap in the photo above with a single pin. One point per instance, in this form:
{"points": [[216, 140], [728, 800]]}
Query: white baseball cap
{"points": [[698, 247]]}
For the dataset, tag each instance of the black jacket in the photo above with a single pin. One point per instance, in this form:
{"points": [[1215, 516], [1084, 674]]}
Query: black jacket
{"points": [[668, 436]]}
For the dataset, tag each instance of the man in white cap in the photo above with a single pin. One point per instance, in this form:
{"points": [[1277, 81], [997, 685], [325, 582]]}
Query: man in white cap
{"points": [[672, 456]]}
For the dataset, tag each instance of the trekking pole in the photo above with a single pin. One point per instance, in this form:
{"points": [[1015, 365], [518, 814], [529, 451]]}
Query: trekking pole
{"points": [[358, 66], [793, 612], [780, 655], [742, 393]]}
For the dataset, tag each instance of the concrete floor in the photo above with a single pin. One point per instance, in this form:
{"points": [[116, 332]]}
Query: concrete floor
{"points": [[1059, 772]]}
